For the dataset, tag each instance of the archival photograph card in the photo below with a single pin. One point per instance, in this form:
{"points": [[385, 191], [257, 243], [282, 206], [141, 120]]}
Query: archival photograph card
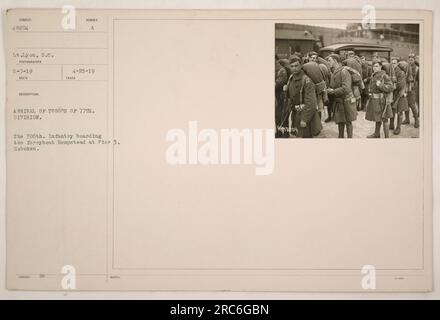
{"points": [[240, 150]]}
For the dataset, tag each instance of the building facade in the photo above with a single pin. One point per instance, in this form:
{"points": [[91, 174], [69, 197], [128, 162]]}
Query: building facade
{"points": [[289, 38]]}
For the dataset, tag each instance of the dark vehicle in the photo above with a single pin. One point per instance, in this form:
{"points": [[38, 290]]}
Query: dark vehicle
{"points": [[361, 49]]}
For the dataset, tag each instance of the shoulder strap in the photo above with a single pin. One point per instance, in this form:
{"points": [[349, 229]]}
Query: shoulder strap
{"points": [[303, 82], [352, 70]]}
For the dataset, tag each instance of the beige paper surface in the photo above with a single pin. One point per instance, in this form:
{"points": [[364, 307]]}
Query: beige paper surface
{"points": [[106, 202]]}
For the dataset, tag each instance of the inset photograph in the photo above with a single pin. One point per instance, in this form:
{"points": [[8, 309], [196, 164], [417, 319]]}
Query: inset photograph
{"points": [[347, 80]]}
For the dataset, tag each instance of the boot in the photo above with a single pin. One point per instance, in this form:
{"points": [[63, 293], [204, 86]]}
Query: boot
{"points": [[341, 130], [416, 122], [329, 118], [406, 121], [386, 129], [376, 133], [399, 122], [415, 113], [392, 123], [349, 130]]}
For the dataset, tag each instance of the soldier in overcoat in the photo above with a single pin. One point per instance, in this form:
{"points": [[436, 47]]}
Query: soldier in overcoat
{"points": [[413, 88], [379, 108], [280, 81], [344, 102], [302, 101], [400, 103]]}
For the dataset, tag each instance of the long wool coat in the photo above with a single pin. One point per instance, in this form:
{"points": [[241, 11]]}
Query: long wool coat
{"points": [[344, 107], [301, 90], [378, 109], [400, 103]]}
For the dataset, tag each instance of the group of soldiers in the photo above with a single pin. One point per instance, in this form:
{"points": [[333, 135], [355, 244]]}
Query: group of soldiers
{"points": [[343, 84]]}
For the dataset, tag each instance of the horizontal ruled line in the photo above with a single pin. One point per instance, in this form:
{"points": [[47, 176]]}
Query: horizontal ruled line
{"points": [[64, 48], [61, 64], [65, 32], [64, 80]]}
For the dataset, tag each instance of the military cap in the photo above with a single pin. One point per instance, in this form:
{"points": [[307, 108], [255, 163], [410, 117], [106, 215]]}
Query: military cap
{"points": [[294, 58], [335, 57]]}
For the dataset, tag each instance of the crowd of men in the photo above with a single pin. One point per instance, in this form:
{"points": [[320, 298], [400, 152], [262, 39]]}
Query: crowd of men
{"points": [[342, 84]]}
